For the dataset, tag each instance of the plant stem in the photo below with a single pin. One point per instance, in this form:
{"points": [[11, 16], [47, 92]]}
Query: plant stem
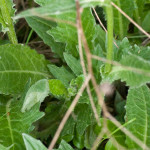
{"points": [[137, 16], [110, 24], [121, 32], [28, 39], [8, 21]]}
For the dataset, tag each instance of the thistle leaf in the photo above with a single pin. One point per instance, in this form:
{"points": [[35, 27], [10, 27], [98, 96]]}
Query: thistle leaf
{"points": [[18, 64], [138, 104], [54, 7], [41, 26], [13, 122], [139, 75]]}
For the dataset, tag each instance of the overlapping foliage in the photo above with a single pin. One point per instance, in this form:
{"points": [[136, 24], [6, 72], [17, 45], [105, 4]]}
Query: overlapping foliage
{"points": [[28, 80]]}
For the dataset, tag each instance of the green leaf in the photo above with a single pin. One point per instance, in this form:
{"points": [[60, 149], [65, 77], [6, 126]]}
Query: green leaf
{"points": [[116, 133], [84, 3], [48, 125], [75, 85], [90, 136], [120, 22], [63, 32], [3, 148], [2, 42], [13, 122], [54, 7], [100, 38], [18, 64], [133, 78], [89, 27], [64, 146], [10, 6], [67, 34], [124, 47], [111, 146], [119, 105], [142, 52], [32, 144], [96, 63], [78, 141], [138, 104], [36, 94], [61, 74], [67, 133], [146, 22], [41, 26], [139, 11], [73, 63], [57, 89], [84, 117]]}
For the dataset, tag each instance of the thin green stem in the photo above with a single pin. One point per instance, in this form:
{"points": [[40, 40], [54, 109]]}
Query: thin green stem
{"points": [[118, 129], [137, 16], [29, 36], [121, 32], [110, 24], [8, 21]]}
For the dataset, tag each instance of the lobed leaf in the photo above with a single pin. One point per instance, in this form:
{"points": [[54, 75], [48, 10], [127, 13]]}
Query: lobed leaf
{"points": [[63, 33], [67, 34], [41, 26], [139, 75]]}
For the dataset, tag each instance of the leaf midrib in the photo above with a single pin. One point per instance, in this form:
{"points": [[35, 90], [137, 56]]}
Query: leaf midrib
{"points": [[146, 118], [25, 71], [9, 121]]}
